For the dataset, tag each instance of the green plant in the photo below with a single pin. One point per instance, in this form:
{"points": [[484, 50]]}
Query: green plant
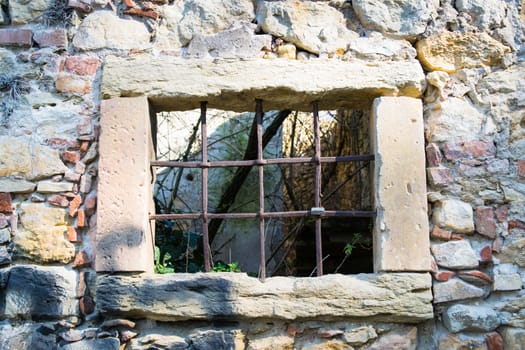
{"points": [[162, 263], [222, 267], [357, 240]]}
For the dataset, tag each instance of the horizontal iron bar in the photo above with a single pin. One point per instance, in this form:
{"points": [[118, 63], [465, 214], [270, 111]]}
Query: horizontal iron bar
{"points": [[276, 214], [239, 163]]}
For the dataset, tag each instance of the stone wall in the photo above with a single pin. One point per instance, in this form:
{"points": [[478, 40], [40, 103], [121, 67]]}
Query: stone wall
{"points": [[53, 58]]}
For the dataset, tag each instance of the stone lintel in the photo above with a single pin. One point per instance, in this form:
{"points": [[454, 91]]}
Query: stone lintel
{"points": [[179, 84], [124, 239], [401, 232], [392, 297]]}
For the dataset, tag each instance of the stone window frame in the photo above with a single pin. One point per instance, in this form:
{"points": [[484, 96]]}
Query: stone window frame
{"points": [[124, 239]]}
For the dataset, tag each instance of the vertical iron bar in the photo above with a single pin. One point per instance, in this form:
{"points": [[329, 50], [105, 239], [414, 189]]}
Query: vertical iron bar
{"points": [[317, 157], [258, 116], [204, 172]]}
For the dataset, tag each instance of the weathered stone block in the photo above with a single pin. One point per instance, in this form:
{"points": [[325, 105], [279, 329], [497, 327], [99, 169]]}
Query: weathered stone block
{"points": [[401, 338], [23, 11], [455, 215], [455, 119], [82, 65], [54, 187], [212, 339], [469, 149], [439, 176], [40, 293], [455, 289], [282, 84], [402, 18], [125, 194], [239, 42], [16, 185], [513, 338], [315, 27], [42, 235], [459, 318], [401, 297], [451, 51], [455, 255], [105, 30], [401, 229], [507, 282]]}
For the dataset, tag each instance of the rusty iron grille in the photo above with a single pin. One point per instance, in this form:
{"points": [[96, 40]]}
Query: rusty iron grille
{"points": [[316, 211]]}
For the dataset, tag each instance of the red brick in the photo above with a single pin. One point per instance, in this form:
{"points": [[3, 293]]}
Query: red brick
{"points": [[58, 201], [72, 84], [521, 168], [486, 222], [70, 157], [439, 176], [443, 235], [516, 224], [51, 38], [15, 37], [501, 213], [443, 276], [6, 205], [81, 218], [486, 254], [81, 260], [494, 341], [434, 156], [84, 146], [469, 149], [475, 277], [72, 235], [82, 65], [74, 205]]}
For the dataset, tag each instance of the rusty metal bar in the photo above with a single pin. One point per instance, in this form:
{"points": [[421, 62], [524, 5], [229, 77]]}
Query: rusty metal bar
{"points": [[239, 163], [204, 172], [260, 168], [274, 214], [317, 157]]}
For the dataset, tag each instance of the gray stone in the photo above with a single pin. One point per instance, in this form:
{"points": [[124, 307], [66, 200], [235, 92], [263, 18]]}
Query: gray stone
{"points": [[487, 14], [3, 17], [315, 27], [454, 215], [23, 11], [507, 282], [239, 42], [455, 255], [396, 18], [5, 235], [45, 162], [220, 82], [459, 318], [216, 340], [26, 336], [167, 36], [455, 289], [54, 187], [93, 344], [104, 30], [36, 292], [153, 341], [16, 185], [513, 338], [395, 296], [512, 251], [359, 336], [209, 17], [5, 257]]}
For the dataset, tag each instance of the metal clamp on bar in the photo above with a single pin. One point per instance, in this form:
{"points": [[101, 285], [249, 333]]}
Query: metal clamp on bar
{"points": [[317, 211]]}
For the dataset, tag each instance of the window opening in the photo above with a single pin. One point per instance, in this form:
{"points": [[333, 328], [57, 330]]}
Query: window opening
{"points": [[197, 228]]}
